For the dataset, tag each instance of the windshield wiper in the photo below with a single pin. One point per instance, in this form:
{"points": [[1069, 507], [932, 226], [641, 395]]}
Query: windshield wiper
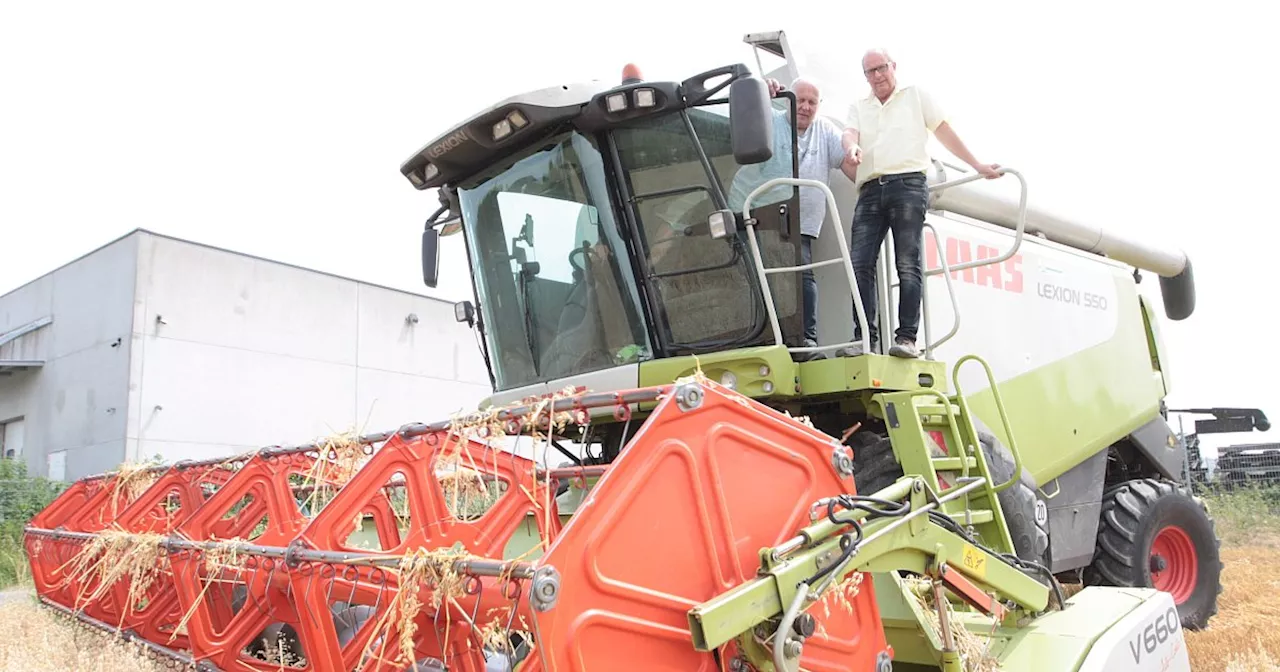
{"points": [[526, 312]]}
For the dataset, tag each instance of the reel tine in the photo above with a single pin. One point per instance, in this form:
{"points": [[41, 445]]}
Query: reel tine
{"points": [[249, 591], [329, 580], [436, 622], [354, 580], [479, 593], [271, 575]]}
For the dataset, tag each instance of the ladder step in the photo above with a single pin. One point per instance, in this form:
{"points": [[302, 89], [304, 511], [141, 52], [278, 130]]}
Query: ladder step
{"points": [[954, 464], [937, 410], [976, 516], [805, 267]]}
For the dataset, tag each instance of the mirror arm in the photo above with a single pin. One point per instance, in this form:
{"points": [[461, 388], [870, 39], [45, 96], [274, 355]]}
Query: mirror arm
{"points": [[695, 89], [431, 221]]}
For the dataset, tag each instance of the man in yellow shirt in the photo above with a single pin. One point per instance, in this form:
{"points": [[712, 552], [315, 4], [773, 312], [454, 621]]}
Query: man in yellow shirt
{"points": [[885, 138]]}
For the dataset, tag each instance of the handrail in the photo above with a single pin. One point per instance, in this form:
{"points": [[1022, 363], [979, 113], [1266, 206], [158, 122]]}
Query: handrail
{"points": [[929, 346], [1004, 416], [1022, 218], [946, 270], [844, 256]]}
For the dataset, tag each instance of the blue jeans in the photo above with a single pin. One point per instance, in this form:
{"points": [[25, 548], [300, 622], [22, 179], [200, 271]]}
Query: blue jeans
{"points": [[898, 204], [810, 290]]}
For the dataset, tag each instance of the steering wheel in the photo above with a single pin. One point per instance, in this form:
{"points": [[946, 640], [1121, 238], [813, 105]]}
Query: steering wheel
{"points": [[578, 270]]}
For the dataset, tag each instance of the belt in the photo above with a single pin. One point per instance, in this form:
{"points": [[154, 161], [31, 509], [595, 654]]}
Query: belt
{"points": [[885, 179]]}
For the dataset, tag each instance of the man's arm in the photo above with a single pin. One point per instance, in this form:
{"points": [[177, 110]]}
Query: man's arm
{"points": [[838, 144], [849, 142], [850, 169], [947, 136], [936, 120], [851, 136]]}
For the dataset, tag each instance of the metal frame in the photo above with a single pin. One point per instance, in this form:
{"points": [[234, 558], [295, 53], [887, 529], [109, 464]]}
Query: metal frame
{"points": [[908, 541], [884, 283], [765, 272]]}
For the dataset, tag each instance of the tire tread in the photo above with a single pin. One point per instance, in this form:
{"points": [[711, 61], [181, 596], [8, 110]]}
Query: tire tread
{"points": [[1117, 558]]}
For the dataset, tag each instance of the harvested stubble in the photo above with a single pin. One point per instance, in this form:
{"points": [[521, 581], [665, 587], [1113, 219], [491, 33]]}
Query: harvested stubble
{"points": [[114, 555], [496, 634], [841, 595], [226, 558], [1242, 637], [39, 640], [467, 492], [337, 459], [418, 569], [132, 479], [973, 649]]}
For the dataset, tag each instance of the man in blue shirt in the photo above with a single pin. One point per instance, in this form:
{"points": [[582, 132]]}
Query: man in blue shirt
{"points": [[819, 144]]}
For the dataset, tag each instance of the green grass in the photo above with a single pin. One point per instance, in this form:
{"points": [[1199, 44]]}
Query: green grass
{"points": [[1245, 515], [14, 570], [21, 497]]}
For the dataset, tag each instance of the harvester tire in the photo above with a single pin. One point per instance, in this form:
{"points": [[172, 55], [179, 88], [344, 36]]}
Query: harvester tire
{"points": [[1018, 502], [875, 467], [1155, 534]]}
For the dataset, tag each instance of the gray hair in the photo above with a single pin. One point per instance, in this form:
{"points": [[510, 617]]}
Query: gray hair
{"points": [[878, 50], [807, 80]]}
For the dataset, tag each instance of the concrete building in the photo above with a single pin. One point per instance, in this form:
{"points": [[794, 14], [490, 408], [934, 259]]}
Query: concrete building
{"points": [[152, 345]]}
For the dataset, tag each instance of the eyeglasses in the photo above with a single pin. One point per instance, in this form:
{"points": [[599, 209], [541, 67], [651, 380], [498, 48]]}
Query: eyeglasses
{"points": [[883, 68]]}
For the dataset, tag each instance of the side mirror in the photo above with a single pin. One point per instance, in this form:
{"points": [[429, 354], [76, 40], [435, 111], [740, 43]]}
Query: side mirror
{"points": [[526, 231], [430, 256], [463, 311], [750, 121]]}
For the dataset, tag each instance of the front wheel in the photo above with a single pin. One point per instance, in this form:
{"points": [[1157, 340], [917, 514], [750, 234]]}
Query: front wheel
{"points": [[1154, 534]]}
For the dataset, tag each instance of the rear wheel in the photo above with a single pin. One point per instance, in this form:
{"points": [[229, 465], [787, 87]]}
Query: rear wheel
{"points": [[1154, 534]]}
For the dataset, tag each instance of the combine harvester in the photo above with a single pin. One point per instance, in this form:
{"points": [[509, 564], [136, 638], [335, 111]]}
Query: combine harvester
{"points": [[728, 499]]}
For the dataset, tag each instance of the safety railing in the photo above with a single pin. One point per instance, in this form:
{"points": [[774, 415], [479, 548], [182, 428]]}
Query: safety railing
{"points": [[766, 272], [1000, 410], [929, 345], [884, 288]]}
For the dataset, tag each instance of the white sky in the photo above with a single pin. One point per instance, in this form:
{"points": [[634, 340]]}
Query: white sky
{"points": [[277, 129]]}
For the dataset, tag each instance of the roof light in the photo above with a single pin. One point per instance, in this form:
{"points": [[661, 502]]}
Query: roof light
{"points": [[616, 102], [415, 178], [517, 119], [502, 129], [430, 172], [645, 98]]}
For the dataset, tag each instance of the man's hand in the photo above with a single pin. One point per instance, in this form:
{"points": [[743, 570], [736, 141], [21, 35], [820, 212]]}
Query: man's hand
{"points": [[852, 150], [774, 86], [988, 170], [947, 136], [849, 168]]}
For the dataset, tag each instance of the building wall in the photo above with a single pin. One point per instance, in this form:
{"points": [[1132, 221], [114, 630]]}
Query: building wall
{"points": [[74, 407], [232, 353]]}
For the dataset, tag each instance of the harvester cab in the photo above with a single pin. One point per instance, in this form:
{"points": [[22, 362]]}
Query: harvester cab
{"points": [[724, 499]]}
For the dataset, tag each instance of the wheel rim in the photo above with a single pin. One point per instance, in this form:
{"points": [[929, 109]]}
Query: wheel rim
{"points": [[1174, 565]]}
